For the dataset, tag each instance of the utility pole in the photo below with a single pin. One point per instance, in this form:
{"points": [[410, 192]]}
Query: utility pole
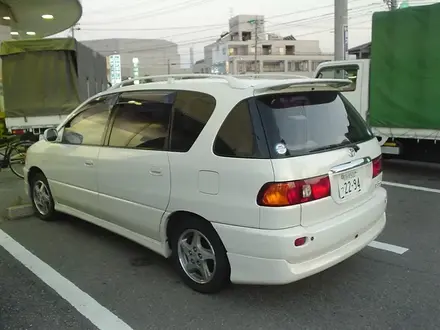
{"points": [[255, 21], [74, 28], [256, 44], [169, 66], [341, 30], [393, 4]]}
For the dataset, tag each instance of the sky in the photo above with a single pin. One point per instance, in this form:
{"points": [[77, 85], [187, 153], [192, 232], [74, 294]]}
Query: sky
{"points": [[196, 23]]}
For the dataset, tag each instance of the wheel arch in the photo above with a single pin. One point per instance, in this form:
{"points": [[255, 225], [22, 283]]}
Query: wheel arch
{"points": [[176, 216], [33, 170]]}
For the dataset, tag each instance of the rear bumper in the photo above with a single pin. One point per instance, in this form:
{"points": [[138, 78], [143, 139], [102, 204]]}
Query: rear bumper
{"points": [[270, 257]]}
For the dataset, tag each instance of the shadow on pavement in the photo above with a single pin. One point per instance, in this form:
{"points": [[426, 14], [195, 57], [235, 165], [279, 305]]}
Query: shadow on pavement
{"points": [[11, 191]]}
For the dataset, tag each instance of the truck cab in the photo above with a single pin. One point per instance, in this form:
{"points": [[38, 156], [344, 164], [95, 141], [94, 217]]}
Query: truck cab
{"points": [[358, 93], [355, 70]]}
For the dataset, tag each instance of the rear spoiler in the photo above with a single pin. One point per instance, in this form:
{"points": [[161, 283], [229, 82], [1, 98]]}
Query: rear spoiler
{"points": [[283, 84]]}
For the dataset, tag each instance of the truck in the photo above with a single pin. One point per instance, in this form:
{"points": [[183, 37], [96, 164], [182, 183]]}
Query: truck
{"points": [[397, 90], [45, 79]]}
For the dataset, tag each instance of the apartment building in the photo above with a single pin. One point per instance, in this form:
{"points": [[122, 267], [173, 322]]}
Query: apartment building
{"points": [[236, 50]]}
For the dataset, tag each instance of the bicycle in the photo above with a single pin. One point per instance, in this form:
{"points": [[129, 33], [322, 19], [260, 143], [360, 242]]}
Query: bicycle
{"points": [[14, 153]]}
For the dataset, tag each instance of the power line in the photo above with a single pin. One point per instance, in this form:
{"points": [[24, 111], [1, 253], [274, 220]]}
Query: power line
{"points": [[173, 9], [106, 9], [284, 24], [188, 42], [214, 26], [322, 16], [160, 11], [209, 38], [157, 29]]}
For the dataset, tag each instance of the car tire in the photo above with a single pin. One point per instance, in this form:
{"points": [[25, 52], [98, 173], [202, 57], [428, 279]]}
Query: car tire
{"points": [[41, 198], [202, 264]]}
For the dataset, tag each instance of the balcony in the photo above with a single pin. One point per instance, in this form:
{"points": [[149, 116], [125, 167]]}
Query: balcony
{"points": [[239, 51]]}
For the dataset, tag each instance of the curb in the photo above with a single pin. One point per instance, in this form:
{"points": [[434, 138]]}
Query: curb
{"points": [[20, 211]]}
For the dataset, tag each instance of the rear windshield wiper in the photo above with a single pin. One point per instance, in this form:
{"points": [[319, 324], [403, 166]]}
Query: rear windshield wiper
{"points": [[343, 144]]}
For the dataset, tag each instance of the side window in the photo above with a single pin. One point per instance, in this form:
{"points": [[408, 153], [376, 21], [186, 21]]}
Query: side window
{"points": [[235, 137], [192, 111], [142, 120], [341, 72], [88, 127]]}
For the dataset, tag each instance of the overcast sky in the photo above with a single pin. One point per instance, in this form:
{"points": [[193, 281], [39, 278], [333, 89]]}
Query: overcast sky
{"points": [[198, 22]]}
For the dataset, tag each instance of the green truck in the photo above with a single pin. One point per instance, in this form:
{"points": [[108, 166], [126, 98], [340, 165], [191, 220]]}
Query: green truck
{"points": [[398, 90], [45, 79]]}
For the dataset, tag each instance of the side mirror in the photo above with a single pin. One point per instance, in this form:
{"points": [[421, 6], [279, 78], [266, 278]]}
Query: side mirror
{"points": [[50, 135]]}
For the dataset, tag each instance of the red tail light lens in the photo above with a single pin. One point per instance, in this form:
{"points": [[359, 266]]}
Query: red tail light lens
{"points": [[18, 131], [377, 166], [294, 192], [300, 241]]}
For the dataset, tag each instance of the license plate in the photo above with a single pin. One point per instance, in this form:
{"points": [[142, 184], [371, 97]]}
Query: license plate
{"points": [[349, 184]]}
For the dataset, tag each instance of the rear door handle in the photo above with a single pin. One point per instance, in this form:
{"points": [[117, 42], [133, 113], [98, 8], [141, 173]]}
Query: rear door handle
{"points": [[156, 171], [88, 163]]}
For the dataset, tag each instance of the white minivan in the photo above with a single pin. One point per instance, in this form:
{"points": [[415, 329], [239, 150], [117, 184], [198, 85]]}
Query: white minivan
{"points": [[242, 180]]}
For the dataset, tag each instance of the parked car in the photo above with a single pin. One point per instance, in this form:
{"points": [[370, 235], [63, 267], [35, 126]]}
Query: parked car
{"points": [[253, 181]]}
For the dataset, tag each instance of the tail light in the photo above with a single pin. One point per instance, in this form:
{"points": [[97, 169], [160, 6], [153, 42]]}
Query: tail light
{"points": [[18, 131], [294, 192], [377, 166]]}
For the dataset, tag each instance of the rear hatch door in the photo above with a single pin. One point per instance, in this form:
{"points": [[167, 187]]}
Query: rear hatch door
{"points": [[316, 138]]}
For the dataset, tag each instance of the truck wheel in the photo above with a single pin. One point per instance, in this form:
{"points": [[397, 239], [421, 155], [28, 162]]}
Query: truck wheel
{"points": [[199, 256]]}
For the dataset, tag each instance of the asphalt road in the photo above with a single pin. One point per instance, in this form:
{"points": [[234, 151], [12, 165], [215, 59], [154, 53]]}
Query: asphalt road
{"points": [[375, 289]]}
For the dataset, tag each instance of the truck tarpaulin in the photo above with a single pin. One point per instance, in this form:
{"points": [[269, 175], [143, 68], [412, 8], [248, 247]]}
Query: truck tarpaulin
{"points": [[41, 77], [405, 67]]}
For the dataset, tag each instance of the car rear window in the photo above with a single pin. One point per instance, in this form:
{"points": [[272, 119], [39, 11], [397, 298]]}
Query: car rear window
{"points": [[301, 123]]}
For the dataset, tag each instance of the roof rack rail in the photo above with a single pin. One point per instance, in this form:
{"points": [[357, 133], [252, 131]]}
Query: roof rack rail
{"points": [[271, 75], [232, 81]]}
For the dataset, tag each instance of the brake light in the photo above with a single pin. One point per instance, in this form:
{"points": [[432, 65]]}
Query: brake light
{"points": [[18, 131], [377, 166], [294, 192]]}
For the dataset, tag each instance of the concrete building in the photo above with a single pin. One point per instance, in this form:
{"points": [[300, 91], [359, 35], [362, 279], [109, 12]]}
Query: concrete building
{"points": [[235, 51], [155, 56], [362, 51], [200, 67]]}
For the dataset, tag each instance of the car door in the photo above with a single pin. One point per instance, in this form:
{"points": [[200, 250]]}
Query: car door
{"points": [[70, 163], [133, 173]]}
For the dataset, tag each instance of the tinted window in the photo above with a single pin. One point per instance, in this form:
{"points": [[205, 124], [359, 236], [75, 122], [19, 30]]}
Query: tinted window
{"points": [[235, 137], [142, 120], [306, 121], [192, 111], [88, 127], [341, 72]]}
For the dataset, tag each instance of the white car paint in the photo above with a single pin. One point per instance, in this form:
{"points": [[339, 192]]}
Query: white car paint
{"points": [[133, 192]]}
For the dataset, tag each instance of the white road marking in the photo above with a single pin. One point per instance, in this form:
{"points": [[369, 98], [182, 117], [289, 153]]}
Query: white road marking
{"points": [[101, 317], [408, 186], [388, 247]]}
